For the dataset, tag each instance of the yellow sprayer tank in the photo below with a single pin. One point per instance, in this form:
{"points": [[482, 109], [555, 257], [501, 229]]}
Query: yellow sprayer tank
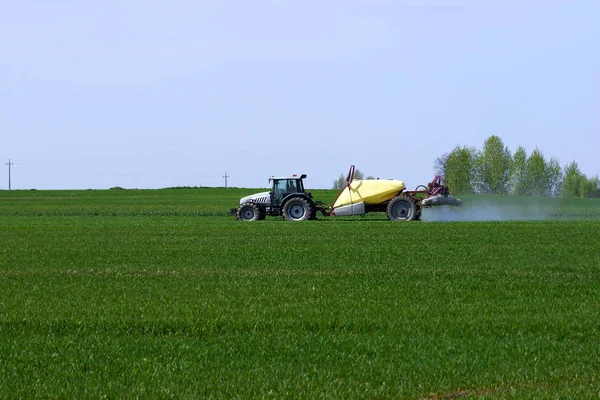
{"points": [[369, 191]]}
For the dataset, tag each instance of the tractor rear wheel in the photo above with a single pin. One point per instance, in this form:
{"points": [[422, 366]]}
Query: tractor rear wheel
{"points": [[249, 212], [401, 208], [298, 209]]}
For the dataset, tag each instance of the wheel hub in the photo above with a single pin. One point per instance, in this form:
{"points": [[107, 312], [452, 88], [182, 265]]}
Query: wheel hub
{"points": [[248, 213], [297, 211], [401, 210]]}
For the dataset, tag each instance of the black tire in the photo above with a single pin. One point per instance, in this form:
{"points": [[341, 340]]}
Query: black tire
{"points": [[249, 212], [263, 214], [299, 209], [418, 215], [313, 210], [401, 208]]}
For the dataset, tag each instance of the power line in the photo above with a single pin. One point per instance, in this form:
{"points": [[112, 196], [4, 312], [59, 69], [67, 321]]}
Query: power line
{"points": [[226, 176], [9, 164]]}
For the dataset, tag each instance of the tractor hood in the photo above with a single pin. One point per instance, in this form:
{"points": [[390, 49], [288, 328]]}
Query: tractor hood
{"points": [[262, 197]]}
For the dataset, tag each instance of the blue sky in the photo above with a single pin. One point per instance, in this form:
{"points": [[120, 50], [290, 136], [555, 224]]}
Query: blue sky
{"points": [[144, 94]]}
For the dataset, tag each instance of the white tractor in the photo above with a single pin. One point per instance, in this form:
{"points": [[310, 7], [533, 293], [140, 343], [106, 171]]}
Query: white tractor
{"points": [[287, 198]]}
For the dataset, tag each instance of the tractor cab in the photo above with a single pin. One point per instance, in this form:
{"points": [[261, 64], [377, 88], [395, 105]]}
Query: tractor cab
{"points": [[284, 186]]}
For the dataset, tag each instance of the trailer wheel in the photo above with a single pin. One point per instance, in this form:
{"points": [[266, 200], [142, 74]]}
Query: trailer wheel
{"points": [[298, 209], [401, 208], [249, 212]]}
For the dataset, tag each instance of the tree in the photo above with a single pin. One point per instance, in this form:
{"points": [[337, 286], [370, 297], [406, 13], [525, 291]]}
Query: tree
{"points": [[573, 181], [537, 178], [493, 165], [341, 183], [576, 184], [460, 169], [593, 187], [519, 172], [554, 177], [439, 166]]}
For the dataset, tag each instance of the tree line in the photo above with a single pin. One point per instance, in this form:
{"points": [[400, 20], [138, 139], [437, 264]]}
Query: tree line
{"points": [[494, 170]]}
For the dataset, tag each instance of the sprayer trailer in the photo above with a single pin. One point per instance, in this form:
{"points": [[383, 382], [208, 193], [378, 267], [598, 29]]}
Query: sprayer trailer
{"points": [[288, 198]]}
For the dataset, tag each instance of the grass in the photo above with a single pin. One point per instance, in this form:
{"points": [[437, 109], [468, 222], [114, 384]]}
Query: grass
{"points": [[103, 296]]}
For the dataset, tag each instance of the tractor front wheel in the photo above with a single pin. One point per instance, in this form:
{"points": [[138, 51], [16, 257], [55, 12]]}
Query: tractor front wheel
{"points": [[249, 212], [401, 208], [298, 209]]}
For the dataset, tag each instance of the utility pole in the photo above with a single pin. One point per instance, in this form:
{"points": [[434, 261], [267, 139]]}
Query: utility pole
{"points": [[226, 176], [9, 164]]}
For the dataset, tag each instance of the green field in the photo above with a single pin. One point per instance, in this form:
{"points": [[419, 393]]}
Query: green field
{"points": [[159, 293]]}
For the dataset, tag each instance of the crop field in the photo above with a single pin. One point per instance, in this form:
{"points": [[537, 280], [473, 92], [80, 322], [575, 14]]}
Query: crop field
{"points": [[160, 293]]}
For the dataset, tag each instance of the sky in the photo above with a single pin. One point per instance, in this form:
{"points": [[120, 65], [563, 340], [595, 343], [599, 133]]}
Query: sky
{"points": [[155, 94]]}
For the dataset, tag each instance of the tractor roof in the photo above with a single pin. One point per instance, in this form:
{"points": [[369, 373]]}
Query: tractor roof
{"points": [[295, 176]]}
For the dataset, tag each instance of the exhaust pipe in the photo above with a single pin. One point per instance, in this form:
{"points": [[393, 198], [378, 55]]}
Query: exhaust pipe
{"points": [[441, 200]]}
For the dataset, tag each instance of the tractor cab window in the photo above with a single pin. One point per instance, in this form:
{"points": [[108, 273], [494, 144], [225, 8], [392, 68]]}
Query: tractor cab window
{"points": [[287, 186], [290, 187], [283, 187], [279, 187], [278, 192]]}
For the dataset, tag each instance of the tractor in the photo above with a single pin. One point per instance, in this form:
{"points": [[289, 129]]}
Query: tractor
{"points": [[288, 198]]}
